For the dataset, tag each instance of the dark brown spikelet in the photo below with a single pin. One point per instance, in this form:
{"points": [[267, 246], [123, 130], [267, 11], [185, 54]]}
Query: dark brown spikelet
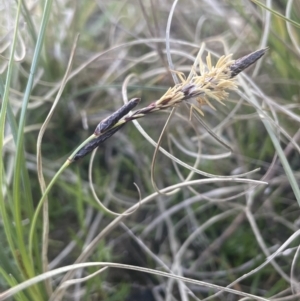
{"points": [[89, 147], [241, 64], [111, 120]]}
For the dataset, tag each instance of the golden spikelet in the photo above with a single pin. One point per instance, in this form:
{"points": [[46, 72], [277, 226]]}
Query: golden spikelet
{"points": [[212, 81]]}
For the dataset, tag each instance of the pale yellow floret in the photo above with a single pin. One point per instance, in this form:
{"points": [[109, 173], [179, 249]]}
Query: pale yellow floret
{"points": [[213, 81], [208, 62], [197, 109], [204, 101], [201, 68], [181, 75]]}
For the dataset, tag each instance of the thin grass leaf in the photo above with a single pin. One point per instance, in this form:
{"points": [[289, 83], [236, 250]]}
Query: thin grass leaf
{"points": [[26, 261], [19, 147], [9, 229], [26, 183], [276, 13], [285, 164], [20, 296], [28, 18]]}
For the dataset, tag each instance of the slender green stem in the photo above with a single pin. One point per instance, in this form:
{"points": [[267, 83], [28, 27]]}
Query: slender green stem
{"points": [[42, 200], [93, 136], [40, 204]]}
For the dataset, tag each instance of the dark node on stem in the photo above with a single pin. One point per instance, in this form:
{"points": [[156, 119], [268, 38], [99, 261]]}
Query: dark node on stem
{"points": [[111, 120], [241, 64]]}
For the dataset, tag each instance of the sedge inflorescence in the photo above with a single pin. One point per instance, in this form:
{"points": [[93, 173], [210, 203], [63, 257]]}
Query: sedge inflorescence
{"points": [[211, 81]]}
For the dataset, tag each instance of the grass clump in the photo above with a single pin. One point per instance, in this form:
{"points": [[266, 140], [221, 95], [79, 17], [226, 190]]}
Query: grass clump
{"points": [[198, 222]]}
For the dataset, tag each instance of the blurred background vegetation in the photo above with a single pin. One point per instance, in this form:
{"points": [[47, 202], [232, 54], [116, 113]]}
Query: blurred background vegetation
{"points": [[213, 231]]}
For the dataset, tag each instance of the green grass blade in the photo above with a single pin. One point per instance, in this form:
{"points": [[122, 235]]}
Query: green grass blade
{"points": [[287, 168], [28, 208], [276, 13], [8, 226], [20, 137], [24, 258], [13, 282]]}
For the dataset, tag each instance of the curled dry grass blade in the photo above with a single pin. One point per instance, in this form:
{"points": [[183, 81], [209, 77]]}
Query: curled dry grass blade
{"points": [[90, 249], [11, 292], [30, 282]]}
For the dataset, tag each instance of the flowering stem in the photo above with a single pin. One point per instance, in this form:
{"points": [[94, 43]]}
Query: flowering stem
{"points": [[213, 83]]}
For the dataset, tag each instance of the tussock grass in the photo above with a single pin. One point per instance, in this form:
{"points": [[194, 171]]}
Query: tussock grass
{"points": [[189, 218]]}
